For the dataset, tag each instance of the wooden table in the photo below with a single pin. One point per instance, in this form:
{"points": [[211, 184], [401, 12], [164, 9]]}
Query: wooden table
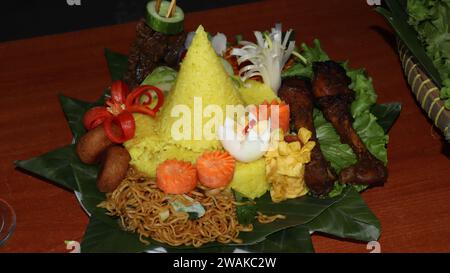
{"points": [[413, 207]]}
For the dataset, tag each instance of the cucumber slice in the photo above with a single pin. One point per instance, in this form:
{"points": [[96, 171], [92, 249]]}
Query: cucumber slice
{"points": [[159, 22]]}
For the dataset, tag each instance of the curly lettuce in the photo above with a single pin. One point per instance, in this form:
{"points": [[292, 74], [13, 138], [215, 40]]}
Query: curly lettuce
{"points": [[431, 19]]}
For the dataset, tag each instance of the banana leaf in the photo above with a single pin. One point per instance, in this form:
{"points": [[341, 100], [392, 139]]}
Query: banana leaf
{"points": [[73, 108], [100, 237], [386, 114], [55, 166], [117, 64]]}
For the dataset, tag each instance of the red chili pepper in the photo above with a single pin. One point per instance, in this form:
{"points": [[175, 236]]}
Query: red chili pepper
{"points": [[109, 131], [148, 99], [95, 116], [126, 124], [120, 109], [119, 91], [135, 95], [141, 109]]}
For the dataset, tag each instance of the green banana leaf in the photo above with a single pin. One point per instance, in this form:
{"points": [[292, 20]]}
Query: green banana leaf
{"points": [[101, 237], [55, 166], [347, 217], [386, 114], [117, 64], [73, 108], [355, 222]]}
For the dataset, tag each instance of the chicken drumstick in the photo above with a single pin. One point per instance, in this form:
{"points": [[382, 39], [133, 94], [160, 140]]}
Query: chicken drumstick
{"points": [[331, 91], [319, 176]]}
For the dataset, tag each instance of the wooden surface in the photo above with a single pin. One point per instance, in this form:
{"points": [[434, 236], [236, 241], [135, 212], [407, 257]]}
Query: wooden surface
{"points": [[413, 207]]}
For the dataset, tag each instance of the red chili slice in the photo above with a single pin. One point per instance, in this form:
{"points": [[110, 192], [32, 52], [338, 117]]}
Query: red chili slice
{"points": [[125, 122], [148, 99], [133, 97], [141, 109], [121, 106], [119, 91], [95, 116]]}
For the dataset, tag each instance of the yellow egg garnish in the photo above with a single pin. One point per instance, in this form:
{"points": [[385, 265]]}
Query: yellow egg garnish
{"points": [[285, 165]]}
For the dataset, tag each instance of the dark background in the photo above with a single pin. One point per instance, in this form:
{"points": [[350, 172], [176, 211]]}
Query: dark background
{"points": [[25, 19]]}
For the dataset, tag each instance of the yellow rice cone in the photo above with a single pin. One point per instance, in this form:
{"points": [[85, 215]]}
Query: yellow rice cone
{"points": [[201, 76]]}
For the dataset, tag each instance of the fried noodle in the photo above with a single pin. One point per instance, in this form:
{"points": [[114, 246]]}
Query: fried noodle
{"points": [[140, 205]]}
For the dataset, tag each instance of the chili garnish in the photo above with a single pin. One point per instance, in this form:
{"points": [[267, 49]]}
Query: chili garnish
{"points": [[119, 108]]}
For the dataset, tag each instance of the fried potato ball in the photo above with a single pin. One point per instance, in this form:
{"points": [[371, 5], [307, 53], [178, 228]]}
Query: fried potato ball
{"points": [[92, 144], [114, 168]]}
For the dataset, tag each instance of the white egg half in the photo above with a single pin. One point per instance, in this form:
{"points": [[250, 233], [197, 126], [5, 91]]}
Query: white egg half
{"points": [[245, 146]]}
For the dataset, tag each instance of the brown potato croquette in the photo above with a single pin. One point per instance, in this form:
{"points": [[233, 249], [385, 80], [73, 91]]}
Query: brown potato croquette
{"points": [[92, 144], [114, 168]]}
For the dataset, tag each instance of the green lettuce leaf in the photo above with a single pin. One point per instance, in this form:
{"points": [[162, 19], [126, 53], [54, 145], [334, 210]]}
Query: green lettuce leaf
{"points": [[311, 54], [365, 123], [397, 18], [423, 25], [338, 154], [365, 94], [162, 77]]}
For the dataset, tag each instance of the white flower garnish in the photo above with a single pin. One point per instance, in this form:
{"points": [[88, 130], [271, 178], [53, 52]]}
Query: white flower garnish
{"points": [[218, 41], [267, 57]]}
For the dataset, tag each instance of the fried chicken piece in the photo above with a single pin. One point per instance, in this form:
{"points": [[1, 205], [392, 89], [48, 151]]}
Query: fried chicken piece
{"points": [[319, 176], [331, 91]]}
